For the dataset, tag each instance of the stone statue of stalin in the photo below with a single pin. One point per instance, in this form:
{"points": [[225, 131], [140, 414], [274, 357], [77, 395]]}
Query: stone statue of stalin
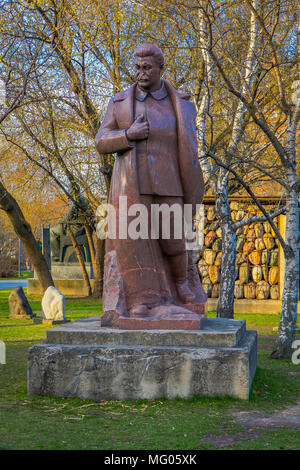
{"points": [[151, 128]]}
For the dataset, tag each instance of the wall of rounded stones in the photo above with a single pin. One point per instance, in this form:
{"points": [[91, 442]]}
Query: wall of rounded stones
{"points": [[257, 267]]}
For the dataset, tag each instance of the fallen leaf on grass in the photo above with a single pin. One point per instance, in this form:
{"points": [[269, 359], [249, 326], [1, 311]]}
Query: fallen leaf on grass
{"points": [[74, 417], [61, 407], [84, 406]]}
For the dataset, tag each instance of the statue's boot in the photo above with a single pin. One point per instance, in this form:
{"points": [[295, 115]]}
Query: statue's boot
{"points": [[184, 292], [178, 264], [139, 311]]}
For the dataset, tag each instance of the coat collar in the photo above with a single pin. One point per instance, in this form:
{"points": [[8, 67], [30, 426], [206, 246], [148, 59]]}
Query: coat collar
{"points": [[158, 95], [166, 85]]}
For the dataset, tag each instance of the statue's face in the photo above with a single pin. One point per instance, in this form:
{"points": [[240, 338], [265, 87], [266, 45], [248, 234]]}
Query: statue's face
{"points": [[147, 73]]}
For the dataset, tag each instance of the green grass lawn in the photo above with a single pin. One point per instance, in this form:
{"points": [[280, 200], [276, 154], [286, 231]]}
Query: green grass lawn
{"points": [[24, 275], [29, 422], [23, 329]]}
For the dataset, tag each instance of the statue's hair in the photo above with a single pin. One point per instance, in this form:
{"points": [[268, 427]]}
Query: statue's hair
{"points": [[149, 49]]}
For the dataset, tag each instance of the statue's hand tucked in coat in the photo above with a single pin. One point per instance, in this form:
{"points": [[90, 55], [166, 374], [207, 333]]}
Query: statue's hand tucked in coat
{"points": [[139, 129]]}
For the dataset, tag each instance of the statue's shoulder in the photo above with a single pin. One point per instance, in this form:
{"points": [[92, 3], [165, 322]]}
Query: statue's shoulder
{"points": [[180, 94], [184, 96], [119, 96], [122, 95]]}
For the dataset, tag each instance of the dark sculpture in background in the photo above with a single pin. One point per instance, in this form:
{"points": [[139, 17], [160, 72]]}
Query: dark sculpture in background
{"points": [[62, 250], [19, 306], [151, 283]]}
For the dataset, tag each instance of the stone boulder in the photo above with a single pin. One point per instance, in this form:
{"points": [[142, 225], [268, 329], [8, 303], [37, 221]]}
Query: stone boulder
{"points": [[18, 304], [53, 305]]}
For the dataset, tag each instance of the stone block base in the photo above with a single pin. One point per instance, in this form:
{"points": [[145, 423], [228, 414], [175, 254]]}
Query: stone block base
{"points": [[68, 287], [81, 359], [69, 270]]}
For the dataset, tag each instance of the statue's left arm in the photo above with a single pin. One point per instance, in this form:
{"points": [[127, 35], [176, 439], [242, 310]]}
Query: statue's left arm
{"points": [[109, 138]]}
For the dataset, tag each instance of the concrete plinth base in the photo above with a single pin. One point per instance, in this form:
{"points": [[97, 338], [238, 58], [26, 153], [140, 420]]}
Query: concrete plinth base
{"points": [[68, 287], [69, 270], [80, 359]]}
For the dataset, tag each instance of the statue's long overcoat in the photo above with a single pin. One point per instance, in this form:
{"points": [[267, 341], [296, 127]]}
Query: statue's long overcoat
{"points": [[141, 264]]}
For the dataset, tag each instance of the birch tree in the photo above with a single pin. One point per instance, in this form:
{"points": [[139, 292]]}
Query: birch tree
{"points": [[273, 60], [218, 180], [221, 143]]}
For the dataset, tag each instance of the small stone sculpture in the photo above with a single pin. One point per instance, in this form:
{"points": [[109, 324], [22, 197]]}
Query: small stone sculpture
{"points": [[53, 304], [18, 304]]}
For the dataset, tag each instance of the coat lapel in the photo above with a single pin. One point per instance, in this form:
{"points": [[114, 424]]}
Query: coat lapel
{"points": [[190, 171], [124, 178], [124, 103]]}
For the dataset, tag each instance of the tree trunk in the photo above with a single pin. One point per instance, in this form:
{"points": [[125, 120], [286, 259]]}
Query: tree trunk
{"points": [[81, 262], [90, 242], [97, 291], [102, 258], [99, 266], [24, 233], [288, 317], [226, 293]]}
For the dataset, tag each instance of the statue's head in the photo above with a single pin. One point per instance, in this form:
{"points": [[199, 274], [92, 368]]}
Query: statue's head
{"points": [[149, 63]]}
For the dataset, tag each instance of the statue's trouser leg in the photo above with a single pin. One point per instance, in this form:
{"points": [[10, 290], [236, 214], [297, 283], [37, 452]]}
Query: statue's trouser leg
{"points": [[173, 247]]}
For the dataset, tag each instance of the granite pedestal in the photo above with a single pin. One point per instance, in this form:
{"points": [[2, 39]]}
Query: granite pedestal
{"points": [[69, 270], [81, 359]]}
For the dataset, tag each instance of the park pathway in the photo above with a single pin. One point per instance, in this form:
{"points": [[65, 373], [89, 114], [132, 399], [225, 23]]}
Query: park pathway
{"points": [[255, 421], [13, 283]]}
